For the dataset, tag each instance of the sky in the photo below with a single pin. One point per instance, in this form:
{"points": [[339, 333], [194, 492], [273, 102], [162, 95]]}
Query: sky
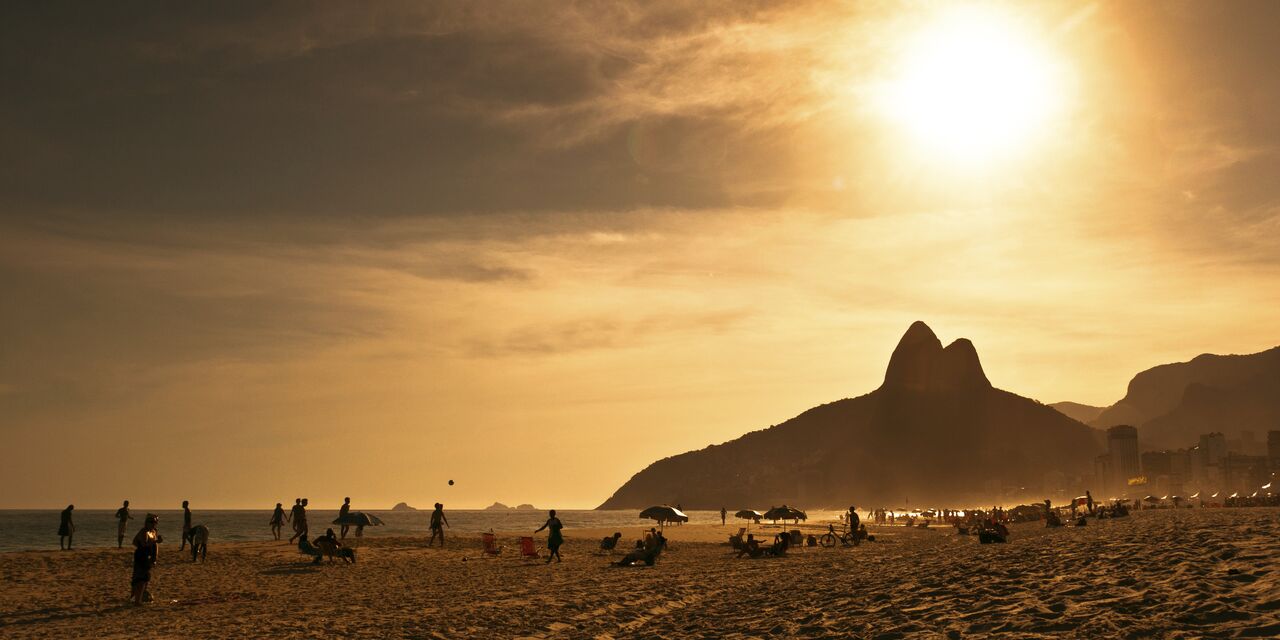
{"points": [[252, 251]]}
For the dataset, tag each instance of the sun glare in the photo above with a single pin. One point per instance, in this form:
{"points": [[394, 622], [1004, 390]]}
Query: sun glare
{"points": [[974, 86]]}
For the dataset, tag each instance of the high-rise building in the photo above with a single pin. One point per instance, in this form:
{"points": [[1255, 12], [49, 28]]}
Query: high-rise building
{"points": [[1249, 444], [1122, 446], [1212, 451], [1212, 448], [1273, 449], [1103, 478]]}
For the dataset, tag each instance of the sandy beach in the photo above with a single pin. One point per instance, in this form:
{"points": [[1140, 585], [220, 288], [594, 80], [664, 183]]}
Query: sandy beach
{"points": [[1157, 574]]}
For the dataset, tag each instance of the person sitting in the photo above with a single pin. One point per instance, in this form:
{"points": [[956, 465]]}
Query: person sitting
{"points": [[609, 543], [751, 547], [329, 545], [648, 554], [993, 532], [863, 535], [780, 544]]}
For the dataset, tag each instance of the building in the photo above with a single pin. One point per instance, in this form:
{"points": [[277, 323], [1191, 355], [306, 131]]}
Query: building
{"points": [[1244, 474], [1273, 449], [1211, 452], [1126, 466], [1167, 472], [1102, 476]]}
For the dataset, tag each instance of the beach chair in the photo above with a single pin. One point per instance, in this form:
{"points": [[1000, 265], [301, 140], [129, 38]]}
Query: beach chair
{"points": [[489, 543], [736, 542], [796, 538], [527, 550]]}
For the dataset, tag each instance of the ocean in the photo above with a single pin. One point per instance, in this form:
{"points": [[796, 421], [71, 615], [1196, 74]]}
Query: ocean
{"points": [[23, 530]]}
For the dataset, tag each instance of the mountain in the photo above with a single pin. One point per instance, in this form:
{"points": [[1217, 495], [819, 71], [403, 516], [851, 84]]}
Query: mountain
{"points": [[1173, 404], [1079, 412], [401, 506], [935, 430]]}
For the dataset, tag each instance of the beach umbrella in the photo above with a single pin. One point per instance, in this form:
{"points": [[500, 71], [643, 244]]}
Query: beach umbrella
{"points": [[785, 513], [750, 515], [358, 519], [664, 513]]}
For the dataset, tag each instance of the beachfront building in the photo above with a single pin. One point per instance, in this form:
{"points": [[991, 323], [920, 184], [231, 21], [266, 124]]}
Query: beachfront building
{"points": [[1243, 473], [1167, 472], [1126, 466], [1209, 456], [1102, 476], [1273, 449]]}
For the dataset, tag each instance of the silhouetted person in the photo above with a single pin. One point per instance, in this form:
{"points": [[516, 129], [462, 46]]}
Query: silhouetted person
{"points": [[186, 525], [293, 516], [145, 552], [278, 518], [1088, 497], [123, 518], [853, 519], [300, 520], [438, 523], [66, 528], [723, 514], [342, 514], [554, 537]]}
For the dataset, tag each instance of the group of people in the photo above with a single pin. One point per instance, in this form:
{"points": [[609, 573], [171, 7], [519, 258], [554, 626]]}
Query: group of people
{"points": [[67, 525]]}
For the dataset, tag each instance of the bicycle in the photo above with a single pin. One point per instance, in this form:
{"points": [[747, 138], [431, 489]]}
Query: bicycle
{"points": [[845, 537]]}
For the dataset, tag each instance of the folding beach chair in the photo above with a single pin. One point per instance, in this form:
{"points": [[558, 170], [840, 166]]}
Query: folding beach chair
{"points": [[527, 550], [489, 542]]}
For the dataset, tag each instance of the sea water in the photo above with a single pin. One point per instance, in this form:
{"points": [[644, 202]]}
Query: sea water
{"points": [[22, 530]]}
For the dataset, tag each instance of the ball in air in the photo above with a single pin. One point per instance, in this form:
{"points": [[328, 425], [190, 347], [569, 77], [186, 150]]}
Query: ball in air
{"points": [[451, 483]]}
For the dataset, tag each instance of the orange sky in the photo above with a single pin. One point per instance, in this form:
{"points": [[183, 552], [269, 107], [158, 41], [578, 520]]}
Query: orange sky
{"points": [[534, 247]]}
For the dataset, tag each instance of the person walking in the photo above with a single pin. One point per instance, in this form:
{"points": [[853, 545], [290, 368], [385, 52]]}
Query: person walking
{"points": [[186, 525], [300, 520], [342, 514], [438, 523], [66, 528], [724, 513], [123, 518], [554, 537], [278, 518]]}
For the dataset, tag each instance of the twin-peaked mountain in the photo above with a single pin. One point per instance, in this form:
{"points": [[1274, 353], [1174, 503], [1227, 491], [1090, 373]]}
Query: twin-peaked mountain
{"points": [[935, 431]]}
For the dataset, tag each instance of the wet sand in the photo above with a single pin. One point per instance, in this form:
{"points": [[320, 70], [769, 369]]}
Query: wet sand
{"points": [[1156, 574]]}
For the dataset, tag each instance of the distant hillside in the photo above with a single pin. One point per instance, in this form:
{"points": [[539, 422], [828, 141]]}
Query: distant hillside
{"points": [[1078, 412], [936, 430], [1173, 404]]}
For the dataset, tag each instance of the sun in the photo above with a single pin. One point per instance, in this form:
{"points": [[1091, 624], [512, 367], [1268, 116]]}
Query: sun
{"points": [[974, 86]]}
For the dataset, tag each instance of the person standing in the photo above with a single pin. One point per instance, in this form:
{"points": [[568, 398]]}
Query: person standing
{"points": [[123, 518], [145, 553], [554, 537], [342, 516], [66, 528], [438, 523], [1088, 501], [300, 520], [854, 521], [186, 525], [278, 518], [724, 513]]}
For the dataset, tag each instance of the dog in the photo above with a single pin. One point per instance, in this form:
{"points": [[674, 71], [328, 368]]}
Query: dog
{"points": [[198, 536]]}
